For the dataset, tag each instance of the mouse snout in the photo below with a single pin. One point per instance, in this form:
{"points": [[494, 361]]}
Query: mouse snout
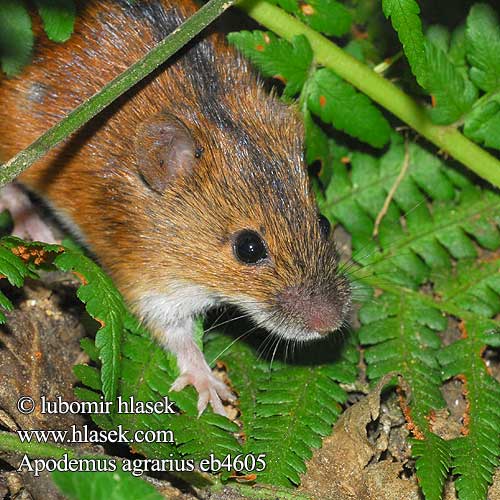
{"points": [[319, 312]]}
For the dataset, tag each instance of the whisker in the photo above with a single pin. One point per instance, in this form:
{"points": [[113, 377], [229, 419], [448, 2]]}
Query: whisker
{"points": [[222, 311], [213, 327], [263, 345], [229, 346], [274, 353], [287, 343]]}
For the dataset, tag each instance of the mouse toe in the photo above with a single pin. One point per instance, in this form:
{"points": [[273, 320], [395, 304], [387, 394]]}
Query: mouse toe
{"points": [[210, 389]]}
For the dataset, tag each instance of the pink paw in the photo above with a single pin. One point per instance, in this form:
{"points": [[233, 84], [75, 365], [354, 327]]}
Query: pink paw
{"points": [[210, 389]]}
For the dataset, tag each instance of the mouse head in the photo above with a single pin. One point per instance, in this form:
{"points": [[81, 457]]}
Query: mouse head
{"points": [[238, 221]]}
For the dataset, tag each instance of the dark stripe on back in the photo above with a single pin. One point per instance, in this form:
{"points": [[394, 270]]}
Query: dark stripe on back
{"points": [[161, 21]]}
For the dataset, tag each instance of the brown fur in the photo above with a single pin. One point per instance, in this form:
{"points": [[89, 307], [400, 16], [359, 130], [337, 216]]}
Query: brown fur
{"points": [[250, 174]]}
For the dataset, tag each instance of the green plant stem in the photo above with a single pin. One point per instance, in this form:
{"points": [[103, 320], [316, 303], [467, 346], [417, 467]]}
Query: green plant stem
{"points": [[382, 91], [90, 108], [10, 442], [260, 491]]}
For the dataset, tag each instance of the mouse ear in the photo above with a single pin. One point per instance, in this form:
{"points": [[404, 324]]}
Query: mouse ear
{"points": [[165, 149]]}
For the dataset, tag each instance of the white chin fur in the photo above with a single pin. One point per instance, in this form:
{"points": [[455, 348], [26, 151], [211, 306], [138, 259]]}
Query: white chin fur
{"points": [[179, 303]]}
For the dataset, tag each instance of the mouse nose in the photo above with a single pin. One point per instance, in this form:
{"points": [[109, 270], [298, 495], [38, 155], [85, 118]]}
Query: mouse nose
{"points": [[320, 321], [322, 313]]}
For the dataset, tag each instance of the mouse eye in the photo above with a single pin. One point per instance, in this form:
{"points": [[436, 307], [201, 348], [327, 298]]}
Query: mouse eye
{"points": [[248, 247], [324, 226]]}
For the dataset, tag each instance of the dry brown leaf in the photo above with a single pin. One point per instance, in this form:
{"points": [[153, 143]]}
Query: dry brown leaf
{"points": [[341, 469]]}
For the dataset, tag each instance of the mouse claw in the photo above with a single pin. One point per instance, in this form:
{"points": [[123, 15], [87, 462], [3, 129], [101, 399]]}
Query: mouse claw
{"points": [[209, 388]]}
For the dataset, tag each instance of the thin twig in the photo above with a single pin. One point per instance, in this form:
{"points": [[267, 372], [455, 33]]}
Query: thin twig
{"points": [[392, 191]]}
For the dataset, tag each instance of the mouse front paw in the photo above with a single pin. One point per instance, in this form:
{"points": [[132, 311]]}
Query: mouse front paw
{"points": [[210, 389], [27, 222]]}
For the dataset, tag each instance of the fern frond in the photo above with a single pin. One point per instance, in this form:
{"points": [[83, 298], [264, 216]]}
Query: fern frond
{"points": [[105, 304], [401, 335], [16, 37], [328, 16], [474, 286], [435, 217], [15, 270], [275, 57], [147, 372], [433, 464], [295, 408], [58, 18], [118, 484], [20, 259], [431, 236], [245, 371], [476, 455]]}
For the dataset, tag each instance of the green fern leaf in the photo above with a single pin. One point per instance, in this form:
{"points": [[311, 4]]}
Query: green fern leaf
{"points": [[117, 485], [337, 102], [295, 407], [5, 305], [457, 51], [444, 217], [401, 333], [105, 304], [84, 394], [473, 286], [291, 6], [89, 376], [19, 260], [439, 36], [58, 18], [285, 410], [482, 124], [17, 269], [12, 267], [429, 238], [317, 142], [245, 370], [16, 37], [90, 349], [319, 147], [476, 455], [326, 16], [433, 463], [454, 94], [404, 15], [277, 58], [483, 47]]}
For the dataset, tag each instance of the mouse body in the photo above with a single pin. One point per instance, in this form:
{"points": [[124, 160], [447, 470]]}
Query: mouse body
{"points": [[191, 190]]}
